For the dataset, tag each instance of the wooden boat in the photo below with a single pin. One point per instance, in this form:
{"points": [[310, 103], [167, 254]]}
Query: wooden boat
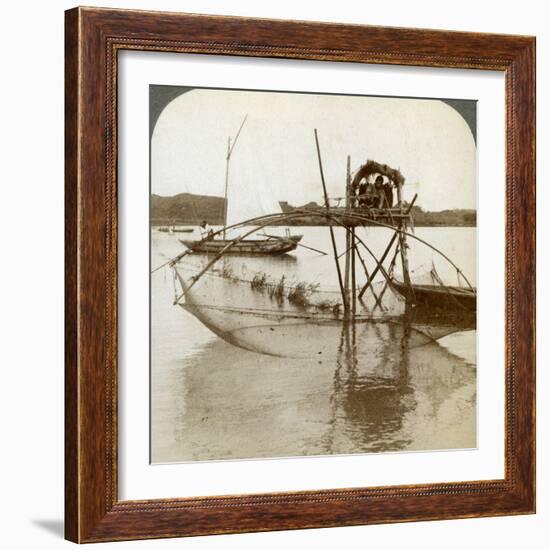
{"points": [[272, 246], [439, 296]]}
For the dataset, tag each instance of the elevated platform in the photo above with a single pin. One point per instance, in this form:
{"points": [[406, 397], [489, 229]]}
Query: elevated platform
{"points": [[389, 216]]}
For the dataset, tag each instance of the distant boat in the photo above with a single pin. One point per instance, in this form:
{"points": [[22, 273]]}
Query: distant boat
{"points": [[175, 229], [439, 296], [272, 246]]}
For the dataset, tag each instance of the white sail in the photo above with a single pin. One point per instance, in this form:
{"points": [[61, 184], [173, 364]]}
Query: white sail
{"points": [[249, 198]]}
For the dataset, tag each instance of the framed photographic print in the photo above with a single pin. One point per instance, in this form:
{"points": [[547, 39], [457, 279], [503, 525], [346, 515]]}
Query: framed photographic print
{"points": [[300, 275]]}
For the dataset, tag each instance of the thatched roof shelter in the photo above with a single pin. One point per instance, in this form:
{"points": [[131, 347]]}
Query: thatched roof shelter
{"points": [[373, 167]]}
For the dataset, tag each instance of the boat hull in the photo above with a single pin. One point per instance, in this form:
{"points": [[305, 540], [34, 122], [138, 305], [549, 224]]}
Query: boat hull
{"points": [[440, 297], [252, 247]]}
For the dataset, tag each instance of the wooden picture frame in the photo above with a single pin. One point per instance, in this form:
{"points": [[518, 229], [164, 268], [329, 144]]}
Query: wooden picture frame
{"points": [[93, 511]]}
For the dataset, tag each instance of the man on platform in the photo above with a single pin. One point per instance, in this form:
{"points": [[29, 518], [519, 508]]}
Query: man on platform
{"points": [[206, 231], [380, 195], [388, 192]]}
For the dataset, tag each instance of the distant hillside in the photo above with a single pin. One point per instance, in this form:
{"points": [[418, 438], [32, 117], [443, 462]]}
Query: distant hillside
{"points": [[189, 209], [456, 217], [444, 218]]}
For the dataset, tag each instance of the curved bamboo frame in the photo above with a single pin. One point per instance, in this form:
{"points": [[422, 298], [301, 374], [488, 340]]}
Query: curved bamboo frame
{"points": [[268, 219]]}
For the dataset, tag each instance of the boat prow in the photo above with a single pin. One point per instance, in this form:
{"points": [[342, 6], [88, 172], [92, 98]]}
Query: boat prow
{"points": [[439, 296]]}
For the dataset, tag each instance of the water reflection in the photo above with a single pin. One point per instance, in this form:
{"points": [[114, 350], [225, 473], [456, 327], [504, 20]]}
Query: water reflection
{"points": [[381, 389], [246, 405]]}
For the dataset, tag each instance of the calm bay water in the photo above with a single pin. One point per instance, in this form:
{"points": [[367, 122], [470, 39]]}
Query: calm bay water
{"points": [[212, 400]]}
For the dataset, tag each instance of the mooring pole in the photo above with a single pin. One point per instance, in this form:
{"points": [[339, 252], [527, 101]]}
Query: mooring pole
{"points": [[353, 281], [348, 245], [392, 263], [378, 266], [397, 234], [365, 269], [334, 249], [351, 203], [403, 245]]}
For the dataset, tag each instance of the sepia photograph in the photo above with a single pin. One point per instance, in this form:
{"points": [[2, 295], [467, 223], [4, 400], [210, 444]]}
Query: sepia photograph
{"points": [[313, 286]]}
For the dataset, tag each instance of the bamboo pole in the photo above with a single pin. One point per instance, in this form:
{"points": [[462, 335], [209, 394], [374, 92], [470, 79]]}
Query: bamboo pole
{"points": [[173, 260], [345, 251], [334, 249], [365, 269], [353, 281], [378, 266], [233, 242], [219, 255], [405, 265], [351, 234], [348, 258], [299, 244], [227, 158], [360, 217], [388, 248], [403, 247], [392, 263], [267, 219]]}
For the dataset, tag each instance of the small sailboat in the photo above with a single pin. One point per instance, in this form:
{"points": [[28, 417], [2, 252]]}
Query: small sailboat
{"points": [[273, 245]]}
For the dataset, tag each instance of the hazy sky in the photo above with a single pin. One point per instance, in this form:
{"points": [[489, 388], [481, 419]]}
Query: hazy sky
{"points": [[275, 157]]}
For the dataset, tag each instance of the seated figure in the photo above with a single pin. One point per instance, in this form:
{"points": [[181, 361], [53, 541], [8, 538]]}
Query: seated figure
{"points": [[362, 192], [379, 194], [388, 192]]}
